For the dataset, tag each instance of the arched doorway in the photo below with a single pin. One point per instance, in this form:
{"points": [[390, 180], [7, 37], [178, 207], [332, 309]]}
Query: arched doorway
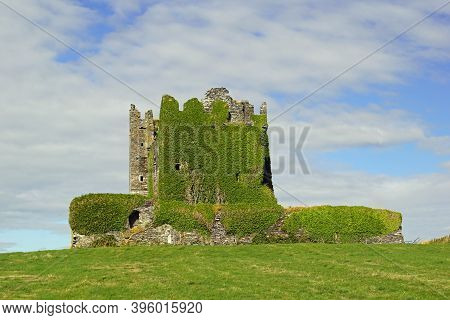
{"points": [[133, 219]]}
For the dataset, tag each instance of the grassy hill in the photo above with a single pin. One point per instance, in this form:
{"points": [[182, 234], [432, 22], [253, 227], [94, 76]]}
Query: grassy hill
{"points": [[291, 271]]}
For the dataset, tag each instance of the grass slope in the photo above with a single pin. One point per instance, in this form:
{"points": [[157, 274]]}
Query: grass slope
{"points": [[292, 271]]}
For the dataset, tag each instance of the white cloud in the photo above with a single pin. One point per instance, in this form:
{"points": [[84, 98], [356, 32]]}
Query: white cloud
{"points": [[190, 47], [439, 145], [446, 165], [341, 126]]}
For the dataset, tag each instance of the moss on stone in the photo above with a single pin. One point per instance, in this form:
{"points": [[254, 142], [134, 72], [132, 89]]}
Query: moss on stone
{"points": [[341, 223], [100, 213]]}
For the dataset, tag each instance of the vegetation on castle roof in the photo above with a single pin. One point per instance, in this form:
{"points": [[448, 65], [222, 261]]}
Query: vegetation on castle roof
{"points": [[341, 223], [102, 212]]}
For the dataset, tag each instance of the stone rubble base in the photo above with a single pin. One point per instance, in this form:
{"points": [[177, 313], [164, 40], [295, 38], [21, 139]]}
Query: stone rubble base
{"points": [[143, 232]]}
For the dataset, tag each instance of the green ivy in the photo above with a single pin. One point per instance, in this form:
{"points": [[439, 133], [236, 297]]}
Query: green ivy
{"points": [[100, 213], [150, 174], [185, 217], [341, 223], [244, 219], [104, 240], [205, 159], [239, 219]]}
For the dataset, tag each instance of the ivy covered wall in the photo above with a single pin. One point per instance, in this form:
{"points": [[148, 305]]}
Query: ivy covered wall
{"points": [[205, 158]]}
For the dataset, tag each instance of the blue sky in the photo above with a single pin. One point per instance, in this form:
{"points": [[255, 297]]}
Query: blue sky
{"points": [[428, 100], [379, 134]]}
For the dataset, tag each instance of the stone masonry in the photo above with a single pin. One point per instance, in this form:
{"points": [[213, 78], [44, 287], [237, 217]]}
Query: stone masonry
{"points": [[140, 229], [142, 133], [240, 111]]}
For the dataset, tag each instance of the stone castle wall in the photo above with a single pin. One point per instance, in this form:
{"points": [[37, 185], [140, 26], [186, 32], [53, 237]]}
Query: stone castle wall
{"points": [[140, 229], [143, 231], [141, 141]]}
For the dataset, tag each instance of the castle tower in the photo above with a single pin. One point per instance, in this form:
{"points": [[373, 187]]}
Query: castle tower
{"points": [[263, 108], [147, 142], [141, 140]]}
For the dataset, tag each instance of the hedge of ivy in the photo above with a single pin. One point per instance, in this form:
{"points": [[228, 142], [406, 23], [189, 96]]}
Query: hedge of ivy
{"points": [[244, 219], [205, 159], [150, 174], [185, 217], [104, 240], [100, 213], [341, 223], [239, 219]]}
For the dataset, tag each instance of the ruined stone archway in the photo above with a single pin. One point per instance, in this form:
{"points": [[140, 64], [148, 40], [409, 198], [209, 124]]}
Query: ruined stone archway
{"points": [[133, 218]]}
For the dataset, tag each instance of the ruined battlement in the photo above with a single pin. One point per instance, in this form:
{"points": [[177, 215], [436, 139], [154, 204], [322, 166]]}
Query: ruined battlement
{"points": [[240, 111]]}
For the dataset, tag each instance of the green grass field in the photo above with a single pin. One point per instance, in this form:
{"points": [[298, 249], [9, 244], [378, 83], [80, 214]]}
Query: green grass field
{"points": [[291, 271]]}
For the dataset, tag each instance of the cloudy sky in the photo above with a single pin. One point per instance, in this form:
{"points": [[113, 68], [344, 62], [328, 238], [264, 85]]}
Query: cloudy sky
{"points": [[380, 134]]}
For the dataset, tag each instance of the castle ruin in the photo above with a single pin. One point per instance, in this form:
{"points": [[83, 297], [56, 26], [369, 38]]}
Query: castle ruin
{"points": [[185, 189]]}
